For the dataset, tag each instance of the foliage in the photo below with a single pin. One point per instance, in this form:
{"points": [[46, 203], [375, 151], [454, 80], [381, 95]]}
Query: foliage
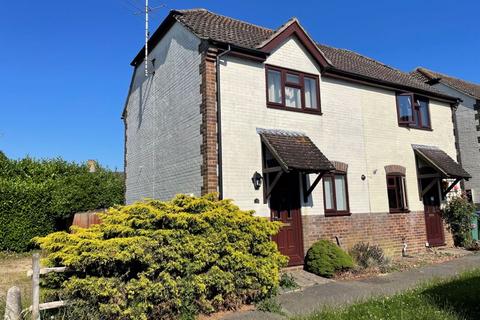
{"points": [[325, 258], [162, 260], [38, 197], [453, 299], [368, 256], [269, 304], [458, 215], [287, 281]]}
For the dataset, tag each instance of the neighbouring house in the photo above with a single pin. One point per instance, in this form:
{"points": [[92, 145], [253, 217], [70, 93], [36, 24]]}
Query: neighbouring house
{"points": [[334, 144], [467, 122]]}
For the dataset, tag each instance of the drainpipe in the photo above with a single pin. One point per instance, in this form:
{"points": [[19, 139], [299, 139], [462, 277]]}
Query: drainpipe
{"points": [[219, 124]]}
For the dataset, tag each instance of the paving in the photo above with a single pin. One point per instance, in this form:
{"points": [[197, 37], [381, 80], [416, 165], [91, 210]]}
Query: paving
{"points": [[336, 293]]}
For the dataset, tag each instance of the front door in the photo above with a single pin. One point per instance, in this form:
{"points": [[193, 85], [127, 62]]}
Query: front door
{"points": [[433, 217], [285, 207]]}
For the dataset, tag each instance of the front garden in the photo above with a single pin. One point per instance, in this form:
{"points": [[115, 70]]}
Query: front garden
{"points": [[454, 299]]}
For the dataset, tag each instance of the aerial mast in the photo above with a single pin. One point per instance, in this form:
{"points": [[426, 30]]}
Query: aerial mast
{"points": [[147, 35]]}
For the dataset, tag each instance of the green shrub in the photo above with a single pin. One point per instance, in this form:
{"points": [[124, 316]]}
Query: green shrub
{"points": [[325, 258], [458, 215], [162, 260], [368, 256], [37, 197]]}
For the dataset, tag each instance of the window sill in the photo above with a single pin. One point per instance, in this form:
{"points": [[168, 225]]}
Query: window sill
{"points": [[308, 111], [399, 211], [412, 127], [338, 214]]}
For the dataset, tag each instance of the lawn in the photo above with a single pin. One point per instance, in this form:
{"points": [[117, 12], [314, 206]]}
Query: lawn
{"points": [[454, 299], [13, 272]]}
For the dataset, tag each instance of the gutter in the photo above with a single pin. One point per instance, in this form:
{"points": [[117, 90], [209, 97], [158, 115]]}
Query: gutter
{"points": [[219, 123]]}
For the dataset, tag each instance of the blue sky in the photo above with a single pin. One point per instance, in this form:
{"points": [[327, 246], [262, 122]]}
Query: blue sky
{"points": [[65, 64]]}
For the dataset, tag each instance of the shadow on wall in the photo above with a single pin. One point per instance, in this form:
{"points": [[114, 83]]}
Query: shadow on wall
{"points": [[157, 59]]}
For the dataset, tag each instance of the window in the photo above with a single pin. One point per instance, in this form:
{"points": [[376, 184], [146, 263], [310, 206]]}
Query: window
{"points": [[335, 194], [292, 90], [397, 193], [413, 111]]}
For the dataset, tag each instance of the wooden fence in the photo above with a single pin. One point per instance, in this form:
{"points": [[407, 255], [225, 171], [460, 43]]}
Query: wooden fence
{"points": [[86, 219], [12, 309]]}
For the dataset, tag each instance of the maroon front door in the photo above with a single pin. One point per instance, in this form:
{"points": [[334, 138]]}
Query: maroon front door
{"points": [[285, 207], [433, 217], [434, 225]]}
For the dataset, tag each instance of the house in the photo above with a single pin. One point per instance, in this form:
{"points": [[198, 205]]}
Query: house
{"points": [[467, 121], [332, 143]]}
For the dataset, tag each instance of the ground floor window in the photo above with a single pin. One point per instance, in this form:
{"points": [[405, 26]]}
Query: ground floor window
{"points": [[397, 193], [335, 194]]}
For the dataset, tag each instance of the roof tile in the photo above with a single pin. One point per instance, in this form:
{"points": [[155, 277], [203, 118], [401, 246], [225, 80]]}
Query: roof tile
{"points": [[469, 88], [208, 25], [295, 151]]}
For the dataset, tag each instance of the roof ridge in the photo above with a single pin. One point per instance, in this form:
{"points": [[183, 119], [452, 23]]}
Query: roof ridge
{"points": [[227, 17]]}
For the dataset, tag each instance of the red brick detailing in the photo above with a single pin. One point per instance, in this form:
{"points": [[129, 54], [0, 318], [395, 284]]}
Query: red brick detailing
{"points": [[395, 169], [208, 129], [340, 166], [384, 229], [448, 236]]}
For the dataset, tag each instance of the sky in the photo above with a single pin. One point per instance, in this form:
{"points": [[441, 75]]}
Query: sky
{"points": [[65, 65]]}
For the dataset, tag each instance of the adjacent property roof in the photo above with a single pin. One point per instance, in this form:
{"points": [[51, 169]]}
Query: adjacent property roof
{"points": [[295, 151], [441, 161], [429, 76], [224, 30]]}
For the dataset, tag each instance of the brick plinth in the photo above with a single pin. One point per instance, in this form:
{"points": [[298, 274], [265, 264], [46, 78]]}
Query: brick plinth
{"points": [[384, 229]]}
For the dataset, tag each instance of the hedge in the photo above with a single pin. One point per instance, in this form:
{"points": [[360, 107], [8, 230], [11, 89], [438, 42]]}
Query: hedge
{"points": [[165, 260], [38, 197], [24, 213]]}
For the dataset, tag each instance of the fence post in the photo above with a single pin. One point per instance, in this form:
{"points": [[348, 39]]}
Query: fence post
{"points": [[13, 307], [36, 286]]}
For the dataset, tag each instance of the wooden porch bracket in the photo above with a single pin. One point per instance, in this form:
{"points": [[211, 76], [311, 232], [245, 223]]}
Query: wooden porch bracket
{"points": [[272, 185], [306, 193], [428, 187], [450, 187]]}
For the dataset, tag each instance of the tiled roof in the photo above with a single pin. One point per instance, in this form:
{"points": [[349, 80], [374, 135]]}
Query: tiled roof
{"points": [[208, 25], [295, 151], [442, 161], [211, 26], [353, 62], [469, 88]]}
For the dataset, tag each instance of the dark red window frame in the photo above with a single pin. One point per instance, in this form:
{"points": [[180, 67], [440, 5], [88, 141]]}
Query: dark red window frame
{"points": [[335, 212], [301, 86], [415, 121], [400, 189]]}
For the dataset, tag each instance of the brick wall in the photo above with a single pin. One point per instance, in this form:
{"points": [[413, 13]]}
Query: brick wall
{"points": [[384, 229], [163, 119], [359, 127], [208, 129], [467, 122]]}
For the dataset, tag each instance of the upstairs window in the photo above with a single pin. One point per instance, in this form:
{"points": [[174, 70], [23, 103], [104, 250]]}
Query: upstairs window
{"points": [[413, 111], [292, 90], [397, 193]]}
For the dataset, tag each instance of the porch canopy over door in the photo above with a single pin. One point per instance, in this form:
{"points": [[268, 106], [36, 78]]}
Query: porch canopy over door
{"points": [[290, 151], [442, 163]]}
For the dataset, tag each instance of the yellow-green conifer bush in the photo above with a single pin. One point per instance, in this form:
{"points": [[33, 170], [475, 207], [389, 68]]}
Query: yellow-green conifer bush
{"points": [[162, 260]]}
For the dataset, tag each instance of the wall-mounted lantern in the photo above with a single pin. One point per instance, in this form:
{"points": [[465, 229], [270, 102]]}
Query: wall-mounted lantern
{"points": [[257, 180]]}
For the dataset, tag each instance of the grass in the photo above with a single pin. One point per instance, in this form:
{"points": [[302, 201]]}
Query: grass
{"points": [[13, 272], [454, 299]]}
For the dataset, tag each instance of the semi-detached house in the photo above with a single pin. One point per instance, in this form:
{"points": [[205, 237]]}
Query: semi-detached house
{"points": [[332, 143]]}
